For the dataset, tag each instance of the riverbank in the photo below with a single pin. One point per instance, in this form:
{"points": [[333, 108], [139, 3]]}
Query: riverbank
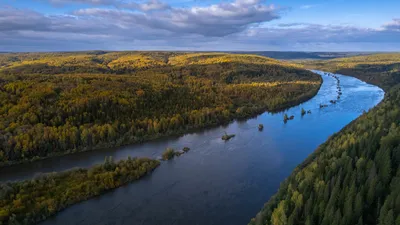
{"points": [[55, 104], [251, 112], [363, 190]]}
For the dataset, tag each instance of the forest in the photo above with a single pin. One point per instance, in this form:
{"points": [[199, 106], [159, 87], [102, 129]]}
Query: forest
{"points": [[60, 103], [31, 201], [353, 178], [380, 69]]}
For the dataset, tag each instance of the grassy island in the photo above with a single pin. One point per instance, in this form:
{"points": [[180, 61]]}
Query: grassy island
{"points": [[169, 154], [227, 137]]}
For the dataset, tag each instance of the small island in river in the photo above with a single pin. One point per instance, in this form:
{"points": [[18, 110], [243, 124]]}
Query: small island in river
{"points": [[226, 136], [286, 118], [170, 153], [303, 112]]}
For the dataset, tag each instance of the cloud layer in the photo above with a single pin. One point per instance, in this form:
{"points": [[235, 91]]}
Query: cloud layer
{"points": [[394, 25], [215, 20], [119, 25]]}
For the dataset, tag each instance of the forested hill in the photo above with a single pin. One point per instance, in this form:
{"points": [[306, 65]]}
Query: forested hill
{"points": [[304, 55], [380, 69], [353, 178], [55, 103]]}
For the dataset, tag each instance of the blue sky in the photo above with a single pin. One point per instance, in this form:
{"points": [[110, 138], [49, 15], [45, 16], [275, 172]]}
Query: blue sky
{"points": [[251, 25]]}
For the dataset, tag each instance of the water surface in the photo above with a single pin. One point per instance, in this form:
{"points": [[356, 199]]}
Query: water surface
{"points": [[217, 182]]}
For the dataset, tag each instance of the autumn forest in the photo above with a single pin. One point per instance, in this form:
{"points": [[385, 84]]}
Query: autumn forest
{"points": [[57, 103]]}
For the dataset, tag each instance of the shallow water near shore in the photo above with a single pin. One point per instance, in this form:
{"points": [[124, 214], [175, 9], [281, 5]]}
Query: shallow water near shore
{"points": [[217, 182]]}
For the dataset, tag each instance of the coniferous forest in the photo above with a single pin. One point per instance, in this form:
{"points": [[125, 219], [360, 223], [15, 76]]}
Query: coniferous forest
{"points": [[58, 103], [353, 178]]}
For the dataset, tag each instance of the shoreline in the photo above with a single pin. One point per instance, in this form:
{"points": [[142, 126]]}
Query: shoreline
{"points": [[178, 133], [316, 152]]}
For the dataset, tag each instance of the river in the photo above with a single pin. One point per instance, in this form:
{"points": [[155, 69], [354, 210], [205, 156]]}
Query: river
{"points": [[217, 182]]}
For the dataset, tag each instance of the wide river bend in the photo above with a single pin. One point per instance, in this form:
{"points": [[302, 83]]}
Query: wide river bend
{"points": [[217, 182]]}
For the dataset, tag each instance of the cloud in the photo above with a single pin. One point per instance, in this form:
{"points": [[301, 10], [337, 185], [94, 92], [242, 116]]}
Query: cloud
{"points": [[153, 16], [88, 2], [120, 4], [15, 19], [394, 25], [147, 6], [154, 25], [315, 37], [214, 20], [293, 24], [308, 6]]}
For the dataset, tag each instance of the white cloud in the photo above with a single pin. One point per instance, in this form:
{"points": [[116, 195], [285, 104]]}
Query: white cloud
{"points": [[214, 20], [89, 2], [393, 25], [147, 6]]}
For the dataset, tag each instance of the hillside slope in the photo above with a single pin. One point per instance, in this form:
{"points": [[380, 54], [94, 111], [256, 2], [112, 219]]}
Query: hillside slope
{"points": [[380, 69], [353, 178], [56, 103]]}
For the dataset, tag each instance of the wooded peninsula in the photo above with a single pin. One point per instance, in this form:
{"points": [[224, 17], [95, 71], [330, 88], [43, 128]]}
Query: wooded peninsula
{"points": [[31, 201]]}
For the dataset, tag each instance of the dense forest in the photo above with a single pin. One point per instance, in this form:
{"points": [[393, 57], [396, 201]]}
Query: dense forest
{"points": [[379, 69], [353, 178], [58, 103], [27, 202]]}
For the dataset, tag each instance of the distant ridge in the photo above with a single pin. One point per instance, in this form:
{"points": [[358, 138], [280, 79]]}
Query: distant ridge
{"points": [[280, 55], [306, 55]]}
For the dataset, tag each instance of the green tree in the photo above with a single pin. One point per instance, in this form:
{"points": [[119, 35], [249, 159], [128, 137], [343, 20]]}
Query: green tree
{"points": [[279, 216]]}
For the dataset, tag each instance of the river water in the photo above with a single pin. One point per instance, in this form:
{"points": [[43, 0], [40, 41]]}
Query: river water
{"points": [[217, 182]]}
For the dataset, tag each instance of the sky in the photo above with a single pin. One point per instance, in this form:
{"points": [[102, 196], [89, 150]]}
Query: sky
{"points": [[200, 25]]}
